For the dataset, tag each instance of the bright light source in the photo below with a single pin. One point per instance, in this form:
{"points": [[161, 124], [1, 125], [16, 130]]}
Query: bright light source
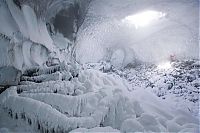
{"points": [[144, 18], [164, 65]]}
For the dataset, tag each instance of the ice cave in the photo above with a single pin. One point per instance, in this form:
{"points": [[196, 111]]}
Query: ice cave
{"points": [[98, 66]]}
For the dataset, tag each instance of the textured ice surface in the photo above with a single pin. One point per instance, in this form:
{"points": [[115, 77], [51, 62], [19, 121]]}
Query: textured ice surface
{"points": [[62, 97], [93, 101], [104, 30]]}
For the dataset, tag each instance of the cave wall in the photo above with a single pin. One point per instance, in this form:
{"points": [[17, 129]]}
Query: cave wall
{"points": [[24, 37], [105, 27]]}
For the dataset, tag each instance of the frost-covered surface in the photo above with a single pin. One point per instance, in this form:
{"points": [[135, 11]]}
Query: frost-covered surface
{"points": [[56, 94], [25, 39], [24, 42], [103, 29], [96, 129], [179, 84], [92, 101]]}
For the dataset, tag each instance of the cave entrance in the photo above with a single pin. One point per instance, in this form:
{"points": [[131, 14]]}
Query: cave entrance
{"points": [[65, 22]]}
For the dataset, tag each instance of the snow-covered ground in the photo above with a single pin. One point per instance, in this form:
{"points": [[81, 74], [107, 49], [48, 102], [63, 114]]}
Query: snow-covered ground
{"points": [[176, 82], [99, 97]]}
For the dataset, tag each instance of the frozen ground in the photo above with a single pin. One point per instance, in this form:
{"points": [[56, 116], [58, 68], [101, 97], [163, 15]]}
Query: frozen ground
{"points": [[176, 82], [63, 98]]}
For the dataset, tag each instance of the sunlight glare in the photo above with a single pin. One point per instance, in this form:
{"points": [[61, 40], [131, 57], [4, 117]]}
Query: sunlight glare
{"points": [[164, 65], [144, 18]]}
